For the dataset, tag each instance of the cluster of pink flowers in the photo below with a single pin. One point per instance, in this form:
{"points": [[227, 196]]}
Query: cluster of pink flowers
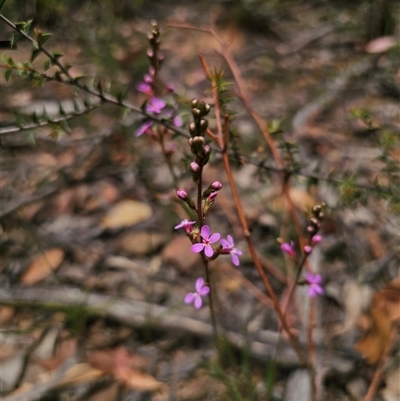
{"points": [[207, 239], [204, 240], [289, 248], [314, 281], [156, 106]]}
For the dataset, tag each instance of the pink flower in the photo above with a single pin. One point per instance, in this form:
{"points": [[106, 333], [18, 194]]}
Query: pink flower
{"points": [[155, 105], [288, 248], [195, 297], [186, 224], [207, 239], [177, 121], [314, 284], [229, 245], [144, 128]]}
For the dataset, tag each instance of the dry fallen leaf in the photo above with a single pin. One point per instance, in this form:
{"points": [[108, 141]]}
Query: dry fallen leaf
{"points": [[6, 313], [377, 322], [137, 380], [125, 214], [118, 362], [380, 45], [64, 350], [80, 373], [42, 266]]}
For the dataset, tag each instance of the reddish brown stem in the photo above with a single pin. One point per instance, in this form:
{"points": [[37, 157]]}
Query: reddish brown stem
{"points": [[223, 148], [376, 380]]}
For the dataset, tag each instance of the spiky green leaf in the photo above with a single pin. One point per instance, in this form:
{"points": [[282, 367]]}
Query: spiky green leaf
{"points": [[44, 37], [7, 74], [35, 53], [16, 37], [2, 3]]}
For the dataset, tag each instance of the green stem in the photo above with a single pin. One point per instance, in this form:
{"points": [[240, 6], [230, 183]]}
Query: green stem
{"points": [[200, 219]]}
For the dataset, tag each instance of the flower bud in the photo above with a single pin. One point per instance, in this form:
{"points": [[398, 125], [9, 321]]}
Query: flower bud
{"points": [[216, 185], [203, 124], [194, 167], [307, 249], [195, 103], [196, 112], [206, 149], [311, 229], [206, 154], [212, 196], [316, 239], [181, 194], [192, 128], [196, 144]]}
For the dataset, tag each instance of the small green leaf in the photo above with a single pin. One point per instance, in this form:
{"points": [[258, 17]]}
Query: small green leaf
{"points": [[19, 121], [76, 106], [31, 137], [27, 26], [65, 127], [121, 95], [2, 3], [100, 87], [48, 64], [44, 37], [57, 56], [61, 110], [7, 74], [35, 53], [86, 103], [10, 61], [35, 117], [57, 76], [16, 37]]}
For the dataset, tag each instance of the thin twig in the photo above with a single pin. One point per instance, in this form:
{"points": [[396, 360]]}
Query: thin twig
{"points": [[376, 380], [242, 218]]}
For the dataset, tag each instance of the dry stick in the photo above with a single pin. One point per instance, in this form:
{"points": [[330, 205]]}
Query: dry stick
{"points": [[242, 218], [379, 369]]}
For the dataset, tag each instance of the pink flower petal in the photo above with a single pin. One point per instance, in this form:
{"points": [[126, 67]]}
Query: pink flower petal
{"points": [[235, 259], [205, 290], [208, 250], [205, 232], [197, 248], [319, 289], [225, 244], [189, 298], [198, 302], [214, 238], [199, 284]]}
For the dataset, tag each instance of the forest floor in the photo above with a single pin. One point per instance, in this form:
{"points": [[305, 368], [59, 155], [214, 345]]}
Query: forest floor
{"points": [[93, 274]]}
